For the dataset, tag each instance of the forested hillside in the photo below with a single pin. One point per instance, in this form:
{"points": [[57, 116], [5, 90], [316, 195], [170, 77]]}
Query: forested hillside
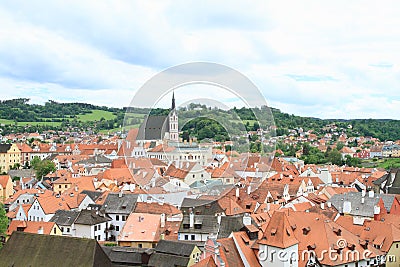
{"points": [[18, 115]]}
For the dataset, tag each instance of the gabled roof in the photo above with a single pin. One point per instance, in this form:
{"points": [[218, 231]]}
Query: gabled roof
{"points": [[141, 227], [4, 148], [279, 232], [65, 217], [4, 179], [30, 227], [119, 203], [91, 217], [25, 249]]}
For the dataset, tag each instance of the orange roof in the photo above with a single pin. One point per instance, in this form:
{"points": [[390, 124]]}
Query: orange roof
{"points": [[4, 179], [30, 227], [175, 172], [52, 203], [229, 205], [279, 232], [229, 253], [141, 227], [207, 262], [245, 244], [156, 208], [38, 192]]}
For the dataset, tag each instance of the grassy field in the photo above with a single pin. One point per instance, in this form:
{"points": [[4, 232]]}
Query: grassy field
{"points": [[4, 121], [96, 115], [23, 123], [390, 163]]}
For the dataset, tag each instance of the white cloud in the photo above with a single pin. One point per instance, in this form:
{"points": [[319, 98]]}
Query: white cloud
{"points": [[335, 59]]}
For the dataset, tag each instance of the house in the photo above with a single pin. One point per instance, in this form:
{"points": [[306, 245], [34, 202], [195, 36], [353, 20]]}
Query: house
{"points": [[174, 253], [381, 234], [187, 172], [44, 208], [389, 183], [10, 156], [141, 230], [26, 249], [304, 236], [6, 187], [43, 228], [92, 224], [25, 153], [363, 154], [347, 151], [360, 205], [198, 227], [376, 152], [118, 206], [65, 219]]}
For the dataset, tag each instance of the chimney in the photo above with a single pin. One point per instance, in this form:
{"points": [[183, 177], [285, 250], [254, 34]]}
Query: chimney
{"points": [[329, 204], [191, 220], [40, 230], [162, 218], [76, 188], [362, 200], [120, 194], [237, 192], [323, 205], [246, 219], [363, 193], [268, 207], [249, 189], [371, 193], [219, 218]]}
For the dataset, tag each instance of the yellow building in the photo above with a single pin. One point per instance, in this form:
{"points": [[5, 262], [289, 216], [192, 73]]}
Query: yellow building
{"points": [[6, 187], [9, 156]]}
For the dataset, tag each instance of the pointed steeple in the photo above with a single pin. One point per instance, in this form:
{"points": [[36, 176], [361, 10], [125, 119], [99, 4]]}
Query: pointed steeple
{"points": [[173, 100]]}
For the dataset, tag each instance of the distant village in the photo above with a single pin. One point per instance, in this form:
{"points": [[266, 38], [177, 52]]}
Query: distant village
{"points": [[148, 198]]}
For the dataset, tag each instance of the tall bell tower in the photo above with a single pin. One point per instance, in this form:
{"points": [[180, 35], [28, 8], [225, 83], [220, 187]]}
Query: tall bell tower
{"points": [[173, 122]]}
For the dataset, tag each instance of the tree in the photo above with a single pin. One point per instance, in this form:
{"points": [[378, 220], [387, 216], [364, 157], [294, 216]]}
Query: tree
{"points": [[339, 146], [3, 223], [42, 167], [335, 157]]}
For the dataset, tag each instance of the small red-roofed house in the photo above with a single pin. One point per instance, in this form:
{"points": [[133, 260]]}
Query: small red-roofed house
{"points": [[43, 228]]}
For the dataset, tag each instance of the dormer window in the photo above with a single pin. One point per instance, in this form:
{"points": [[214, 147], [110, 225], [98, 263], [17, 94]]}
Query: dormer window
{"points": [[337, 231], [273, 231], [197, 226], [306, 230]]}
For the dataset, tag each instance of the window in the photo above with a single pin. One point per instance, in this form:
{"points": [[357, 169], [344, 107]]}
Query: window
{"points": [[59, 186], [117, 228], [62, 229], [68, 229], [95, 228], [397, 245], [99, 227], [55, 230], [193, 237], [186, 237], [66, 186], [140, 245], [117, 218]]}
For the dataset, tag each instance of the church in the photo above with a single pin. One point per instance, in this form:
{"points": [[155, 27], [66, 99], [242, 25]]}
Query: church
{"points": [[160, 128]]}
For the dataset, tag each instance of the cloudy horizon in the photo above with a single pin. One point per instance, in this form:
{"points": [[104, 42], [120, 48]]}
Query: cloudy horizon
{"points": [[327, 60]]}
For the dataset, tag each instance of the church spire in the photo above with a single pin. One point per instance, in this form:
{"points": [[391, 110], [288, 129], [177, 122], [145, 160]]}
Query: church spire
{"points": [[173, 100]]}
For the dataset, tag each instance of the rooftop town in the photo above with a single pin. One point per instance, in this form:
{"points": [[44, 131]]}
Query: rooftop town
{"points": [[149, 199]]}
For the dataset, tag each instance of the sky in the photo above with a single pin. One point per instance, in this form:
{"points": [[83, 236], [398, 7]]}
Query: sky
{"points": [[336, 59]]}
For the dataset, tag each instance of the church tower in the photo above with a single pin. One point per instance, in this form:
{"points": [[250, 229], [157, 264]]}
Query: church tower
{"points": [[173, 122]]}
